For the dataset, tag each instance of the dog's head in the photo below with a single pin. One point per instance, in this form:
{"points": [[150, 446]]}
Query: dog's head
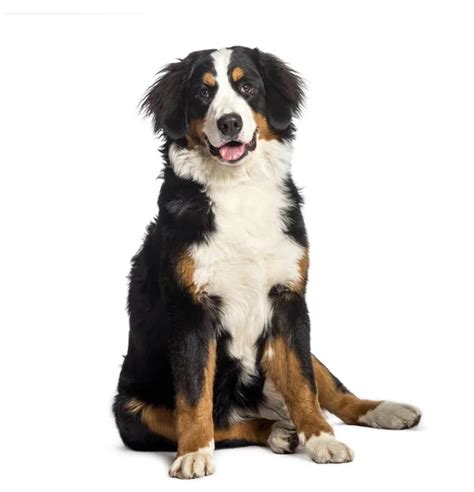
{"points": [[225, 101]]}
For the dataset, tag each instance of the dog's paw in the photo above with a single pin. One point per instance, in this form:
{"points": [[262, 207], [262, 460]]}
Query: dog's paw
{"points": [[193, 465], [390, 415], [283, 437], [326, 449]]}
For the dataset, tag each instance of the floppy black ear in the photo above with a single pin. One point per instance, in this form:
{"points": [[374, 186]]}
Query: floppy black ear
{"points": [[284, 90], [165, 100]]}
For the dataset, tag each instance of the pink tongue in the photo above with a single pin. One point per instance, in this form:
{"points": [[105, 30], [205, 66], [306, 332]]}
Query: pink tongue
{"points": [[231, 152]]}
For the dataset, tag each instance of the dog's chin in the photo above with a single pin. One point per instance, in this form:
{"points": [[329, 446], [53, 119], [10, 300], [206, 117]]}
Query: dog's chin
{"points": [[232, 153]]}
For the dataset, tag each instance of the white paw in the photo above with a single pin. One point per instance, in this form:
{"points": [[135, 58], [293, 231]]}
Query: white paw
{"points": [[193, 465], [326, 449], [283, 437], [390, 415]]}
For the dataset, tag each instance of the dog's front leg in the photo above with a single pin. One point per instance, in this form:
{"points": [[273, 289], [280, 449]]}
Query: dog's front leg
{"points": [[193, 359], [286, 360]]}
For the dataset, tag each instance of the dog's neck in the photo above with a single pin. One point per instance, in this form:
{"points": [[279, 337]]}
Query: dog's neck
{"points": [[270, 160]]}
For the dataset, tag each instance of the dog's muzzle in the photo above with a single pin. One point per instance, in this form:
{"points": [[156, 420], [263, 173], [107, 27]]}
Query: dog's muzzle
{"points": [[234, 150]]}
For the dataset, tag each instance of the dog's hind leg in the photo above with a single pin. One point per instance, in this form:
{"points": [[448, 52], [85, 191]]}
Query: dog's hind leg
{"points": [[146, 427], [278, 436], [338, 400]]}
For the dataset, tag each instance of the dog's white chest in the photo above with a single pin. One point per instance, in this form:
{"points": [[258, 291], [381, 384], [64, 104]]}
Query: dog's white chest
{"points": [[247, 254]]}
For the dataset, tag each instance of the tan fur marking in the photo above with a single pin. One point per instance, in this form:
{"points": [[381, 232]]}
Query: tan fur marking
{"points": [[264, 131], [255, 431], [237, 73], [185, 269], [284, 369], [209, 79], [344, 405], [299, 285], [162, 421], [195, 134], [194, 422], [159, 420]]}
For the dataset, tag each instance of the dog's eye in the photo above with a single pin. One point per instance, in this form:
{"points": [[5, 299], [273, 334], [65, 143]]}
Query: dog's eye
{"points": [[204, 93], [247, 89]]}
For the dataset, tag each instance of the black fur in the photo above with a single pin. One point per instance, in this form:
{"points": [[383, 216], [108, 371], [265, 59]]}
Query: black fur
{"points": [[291, 321], [294, 221], [132, 431], [173, 100], [169, 332], [167, 99], [284, 90], [158, 306]]}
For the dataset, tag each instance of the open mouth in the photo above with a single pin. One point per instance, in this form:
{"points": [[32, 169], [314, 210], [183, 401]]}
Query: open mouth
{"points": [[234, 150]]}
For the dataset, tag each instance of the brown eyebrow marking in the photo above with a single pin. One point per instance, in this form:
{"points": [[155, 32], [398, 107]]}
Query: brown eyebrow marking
{"points": [[209, 79], [237, 73]]}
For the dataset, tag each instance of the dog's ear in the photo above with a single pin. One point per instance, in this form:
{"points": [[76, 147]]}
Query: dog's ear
{"points": [[165, 100], [284, 90]]}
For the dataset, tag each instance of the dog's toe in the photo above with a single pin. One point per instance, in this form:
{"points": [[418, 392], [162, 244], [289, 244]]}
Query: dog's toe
{"points": [[326, 449], [193, 465], [391, 415], [283, 438]]}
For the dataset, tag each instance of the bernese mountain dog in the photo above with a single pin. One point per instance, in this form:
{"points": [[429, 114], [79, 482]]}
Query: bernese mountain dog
{"points": [[219, 346]]}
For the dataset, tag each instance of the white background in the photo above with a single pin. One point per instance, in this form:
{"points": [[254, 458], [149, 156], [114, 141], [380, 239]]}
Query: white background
{"points": [[385, 156]]}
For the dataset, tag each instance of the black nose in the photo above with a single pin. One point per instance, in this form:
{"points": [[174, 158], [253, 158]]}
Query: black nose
{"points": [[230, 124]]}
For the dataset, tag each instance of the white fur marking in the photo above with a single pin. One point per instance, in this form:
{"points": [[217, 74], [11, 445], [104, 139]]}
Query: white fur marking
{"points": [[326, 449], [227, 100], [269, 353], [249, 252], [391, 415], [194, 465], [283, 438], [274, 406], [269, 161]]}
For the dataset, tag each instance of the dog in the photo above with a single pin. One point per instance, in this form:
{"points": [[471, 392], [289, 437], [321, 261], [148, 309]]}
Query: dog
{"points": [[219, 344]]}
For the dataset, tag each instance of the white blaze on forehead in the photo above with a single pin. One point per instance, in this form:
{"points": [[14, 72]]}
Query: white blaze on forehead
{"points": [[227, 100]]}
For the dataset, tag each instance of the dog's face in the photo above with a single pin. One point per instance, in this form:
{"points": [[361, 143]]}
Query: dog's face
{"points": [[225, 101]]}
